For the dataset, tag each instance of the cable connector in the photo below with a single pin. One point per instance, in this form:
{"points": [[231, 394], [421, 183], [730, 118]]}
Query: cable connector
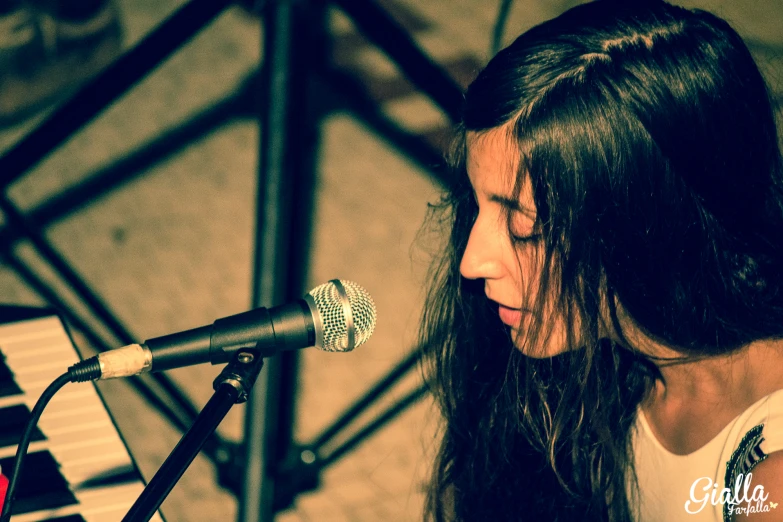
{"points": [[86, 370], [121, 362]]}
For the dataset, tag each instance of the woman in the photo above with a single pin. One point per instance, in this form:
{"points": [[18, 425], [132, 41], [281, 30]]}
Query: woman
{"points": [[605, 328]]}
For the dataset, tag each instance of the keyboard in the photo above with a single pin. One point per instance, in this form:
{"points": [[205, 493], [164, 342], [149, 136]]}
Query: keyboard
{"points": [[77, 468]]}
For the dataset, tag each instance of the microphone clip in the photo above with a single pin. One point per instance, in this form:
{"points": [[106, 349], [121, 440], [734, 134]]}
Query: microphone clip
{"points": [[241, 372]]}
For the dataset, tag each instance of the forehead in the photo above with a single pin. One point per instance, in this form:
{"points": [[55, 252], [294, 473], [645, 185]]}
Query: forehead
{"points": [[492, 160]]}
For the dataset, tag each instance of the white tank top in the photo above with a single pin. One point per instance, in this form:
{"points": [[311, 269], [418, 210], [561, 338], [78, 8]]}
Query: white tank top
{"points": [[688, 487]]}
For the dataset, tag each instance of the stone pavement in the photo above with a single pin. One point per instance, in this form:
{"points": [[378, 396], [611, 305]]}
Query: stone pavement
{"points": [[172, 248]]}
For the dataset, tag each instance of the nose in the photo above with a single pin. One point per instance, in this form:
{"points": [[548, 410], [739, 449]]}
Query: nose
{"points": [[482, 258]]}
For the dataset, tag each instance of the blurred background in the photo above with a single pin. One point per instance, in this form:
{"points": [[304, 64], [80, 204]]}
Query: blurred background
{"points": [[166, 239]]}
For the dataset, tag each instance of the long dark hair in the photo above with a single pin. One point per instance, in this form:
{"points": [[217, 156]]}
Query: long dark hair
{"points": [[649, 138]]}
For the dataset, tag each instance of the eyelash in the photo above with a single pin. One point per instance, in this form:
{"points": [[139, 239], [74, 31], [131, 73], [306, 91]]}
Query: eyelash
{"points": [[525, 240], [519, 240]]}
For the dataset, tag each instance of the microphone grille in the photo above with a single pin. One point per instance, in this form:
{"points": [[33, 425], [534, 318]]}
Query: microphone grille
{"points": [[346, 314]]}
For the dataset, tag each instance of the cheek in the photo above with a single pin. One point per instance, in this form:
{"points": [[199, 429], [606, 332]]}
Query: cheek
{"points": [[529, 265], [554, 329]]}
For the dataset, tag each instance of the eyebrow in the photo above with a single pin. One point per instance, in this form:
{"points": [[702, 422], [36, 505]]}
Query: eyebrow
{"points": [[512, 204]]}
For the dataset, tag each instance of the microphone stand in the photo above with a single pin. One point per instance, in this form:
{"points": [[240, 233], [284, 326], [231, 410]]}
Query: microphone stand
{"points": [[231, 387]]}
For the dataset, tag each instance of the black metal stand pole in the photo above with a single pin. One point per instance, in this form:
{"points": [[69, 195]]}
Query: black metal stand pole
{"points": [[231, 387], [288, 143]]}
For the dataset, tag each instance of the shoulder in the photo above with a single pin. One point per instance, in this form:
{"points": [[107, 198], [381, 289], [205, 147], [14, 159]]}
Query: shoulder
{"points": [[767, 474], [773, 423], [757, 462]]}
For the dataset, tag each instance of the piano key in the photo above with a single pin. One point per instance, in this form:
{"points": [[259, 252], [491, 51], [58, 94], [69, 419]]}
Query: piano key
{"points": [[37, 329], [10, 451], [20, 358], [41, 486], [8, 385], [41, 349], [44, 367], [74, 440], [66, 425], [30, 393], [112, 477], [12, 423], [13, 400]]}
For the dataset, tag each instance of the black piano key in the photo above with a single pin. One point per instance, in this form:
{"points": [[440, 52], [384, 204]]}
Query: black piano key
{"points": [[41, 485], [12, 422], [14, 313], [69, 518], [8, 385], [112, 477]]}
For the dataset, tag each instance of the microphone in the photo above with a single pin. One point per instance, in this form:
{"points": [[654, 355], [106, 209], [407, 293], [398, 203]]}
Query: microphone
{"points": [[336, 316]]}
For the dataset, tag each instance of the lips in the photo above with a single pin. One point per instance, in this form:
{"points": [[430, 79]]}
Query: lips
{"points": [[511, 316]]}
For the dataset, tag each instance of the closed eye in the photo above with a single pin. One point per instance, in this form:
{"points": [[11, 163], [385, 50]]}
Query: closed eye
{"points": [[512, 205], [527, 239]]}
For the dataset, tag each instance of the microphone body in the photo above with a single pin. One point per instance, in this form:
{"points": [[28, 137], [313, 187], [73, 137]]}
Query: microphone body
{"points": [[271, 330], [336, 316]]}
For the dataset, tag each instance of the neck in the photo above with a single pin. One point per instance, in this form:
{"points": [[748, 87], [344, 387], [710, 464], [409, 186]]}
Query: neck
{"points": [[730, 378], [746, 374]]}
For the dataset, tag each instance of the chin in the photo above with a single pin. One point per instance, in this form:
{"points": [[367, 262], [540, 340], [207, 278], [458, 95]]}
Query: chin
{"points": [[552, 347]]}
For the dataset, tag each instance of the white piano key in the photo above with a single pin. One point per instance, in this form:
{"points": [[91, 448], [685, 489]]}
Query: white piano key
{"points": [[69, 392], [31, 328], [64, 418], [17, 340], [44, 348], [21, 352], [10, 451], [66, 400], [12, 400], [53, 433], [81, 456], [67, 441], [91, 466], [110, 504], [83, 410], [86, 476], [42, 367]]}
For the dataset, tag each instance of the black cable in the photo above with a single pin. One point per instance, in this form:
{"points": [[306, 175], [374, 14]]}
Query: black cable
{"points": [[72, 375], [500, 26]]}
